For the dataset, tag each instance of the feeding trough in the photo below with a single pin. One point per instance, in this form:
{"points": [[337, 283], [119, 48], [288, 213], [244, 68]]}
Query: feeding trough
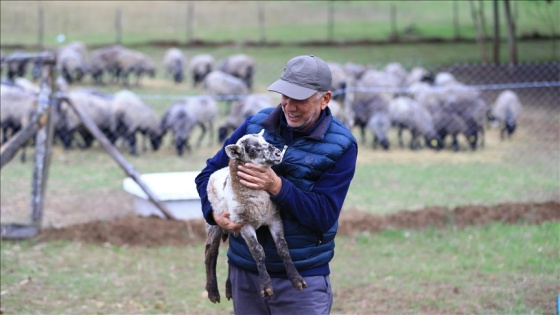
{"points": [[176, 190]]}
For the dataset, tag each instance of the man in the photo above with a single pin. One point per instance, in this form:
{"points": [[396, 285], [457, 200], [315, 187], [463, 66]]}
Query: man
{"points": [[309, 186]]}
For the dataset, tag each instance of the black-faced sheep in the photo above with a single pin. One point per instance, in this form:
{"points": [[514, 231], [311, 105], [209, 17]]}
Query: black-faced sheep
{"points": [[97, 106], [240, 66], [16, 108], [506, 110], [242, 109], [249, 206], [71, 62], [17, 66], [178, 119], [133, 116], [134, 62], [174, 63], [200, 66], [104, 60], [406, 113]]}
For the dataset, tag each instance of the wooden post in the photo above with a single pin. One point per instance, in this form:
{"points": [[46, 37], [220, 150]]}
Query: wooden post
{"points": [[118, 26], [114, 153], [330, 32], [496, 41], [190, 15], [262, 23], [43, 152]]}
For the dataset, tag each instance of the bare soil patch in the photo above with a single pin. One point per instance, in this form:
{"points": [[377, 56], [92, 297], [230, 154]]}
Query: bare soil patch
{"points": [[135, 230]]}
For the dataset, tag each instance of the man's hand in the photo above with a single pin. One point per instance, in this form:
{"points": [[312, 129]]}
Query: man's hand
{"points": [[260, 178], [225, 222]]}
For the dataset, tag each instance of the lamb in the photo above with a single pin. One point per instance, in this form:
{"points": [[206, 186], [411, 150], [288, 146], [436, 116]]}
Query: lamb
{"points": [[506, 110], [132, 115], [174, 63], [178, 119], [200, 66], [240, 66], [249, 206], [242, 109]]}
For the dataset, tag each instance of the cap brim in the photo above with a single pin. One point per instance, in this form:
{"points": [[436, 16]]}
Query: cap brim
{"points": [[291, 90]]}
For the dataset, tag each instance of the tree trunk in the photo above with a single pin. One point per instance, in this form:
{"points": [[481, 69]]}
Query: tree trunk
{"points": [[481, 41], [511, 34]]}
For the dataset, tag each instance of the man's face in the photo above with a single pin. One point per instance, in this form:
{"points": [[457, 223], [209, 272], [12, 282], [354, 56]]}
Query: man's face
{"points": [[303, 114]]}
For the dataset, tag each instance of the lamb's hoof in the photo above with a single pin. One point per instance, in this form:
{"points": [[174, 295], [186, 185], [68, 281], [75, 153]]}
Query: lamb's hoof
{"points": [[265, 292], [214, 297], [299, 284]]}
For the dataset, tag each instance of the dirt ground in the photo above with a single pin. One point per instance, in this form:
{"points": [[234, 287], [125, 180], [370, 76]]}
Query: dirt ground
{"points": [[135, 230]]}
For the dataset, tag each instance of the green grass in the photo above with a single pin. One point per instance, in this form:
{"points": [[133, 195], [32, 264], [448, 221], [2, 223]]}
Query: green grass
{"points": [[496, 268]]}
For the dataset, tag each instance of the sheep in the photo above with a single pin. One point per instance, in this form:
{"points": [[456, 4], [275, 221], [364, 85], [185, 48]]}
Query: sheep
{"points": [[336, 110], [220, 84], [16, 109], [241, 66], [131, 61], [339, 81], [249, 206], [16, 68], [506, 110], [71, 62], [200, 66], [103, 60], [174, 63], [132, 115], [242, 109], [204, 111], [97, 106], [364, 109], [379, 125], [418, 74], [406, 113], [178, 119]]}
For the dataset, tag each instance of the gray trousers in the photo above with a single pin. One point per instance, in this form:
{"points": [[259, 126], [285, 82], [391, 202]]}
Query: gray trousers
{"points": [[317, 298]]}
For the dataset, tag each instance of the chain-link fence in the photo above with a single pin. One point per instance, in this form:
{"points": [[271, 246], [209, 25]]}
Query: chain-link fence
{"points": [[85, 183]]}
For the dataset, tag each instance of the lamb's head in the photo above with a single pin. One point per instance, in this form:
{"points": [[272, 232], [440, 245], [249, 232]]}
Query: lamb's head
{"points": [[255, 149]]}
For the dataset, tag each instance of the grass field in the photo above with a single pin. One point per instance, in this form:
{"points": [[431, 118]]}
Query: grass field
{"points": [[489, 269]]}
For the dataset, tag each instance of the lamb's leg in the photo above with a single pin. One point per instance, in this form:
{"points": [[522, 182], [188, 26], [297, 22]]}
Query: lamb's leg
{"points": [[228, 284], [277, 231], [257, 251], [213, 236]]}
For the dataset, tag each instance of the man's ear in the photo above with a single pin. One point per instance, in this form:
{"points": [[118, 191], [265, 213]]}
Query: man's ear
{"points": [[326, 99], [233, 151]]}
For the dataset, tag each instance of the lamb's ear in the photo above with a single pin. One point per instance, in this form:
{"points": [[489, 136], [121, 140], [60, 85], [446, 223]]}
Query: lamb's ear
{"points": [[261, 133], [233, 151]]}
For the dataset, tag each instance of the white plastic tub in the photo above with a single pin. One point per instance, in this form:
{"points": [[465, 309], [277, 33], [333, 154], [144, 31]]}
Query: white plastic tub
{"points": [[176, 190]]}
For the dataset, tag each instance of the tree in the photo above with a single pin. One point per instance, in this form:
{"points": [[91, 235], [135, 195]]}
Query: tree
{"points": [[511, 34]]}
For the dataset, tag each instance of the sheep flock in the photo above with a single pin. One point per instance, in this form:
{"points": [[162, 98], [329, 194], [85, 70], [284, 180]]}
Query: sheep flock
{"points": [[387, 107]]}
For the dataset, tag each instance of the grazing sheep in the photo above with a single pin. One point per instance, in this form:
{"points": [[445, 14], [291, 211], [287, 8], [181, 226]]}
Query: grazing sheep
{"points": [[104, 60], [174, 63], [97, 106], [133, 116], [221, 84], [339, 81], [16, 108], [396, 71], [336, 110], [71, 62], [16, 68], [249, 206], [134, 62], [418, 74], [177, 119], [406, 113], [242, 109], [506, 110], [379, 125], [448, 123], [240, 66], [204, 111], [200, 66], [366, 108]]}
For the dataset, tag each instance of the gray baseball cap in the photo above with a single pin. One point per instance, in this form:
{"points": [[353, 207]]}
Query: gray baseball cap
{"points": [[303, 76]]}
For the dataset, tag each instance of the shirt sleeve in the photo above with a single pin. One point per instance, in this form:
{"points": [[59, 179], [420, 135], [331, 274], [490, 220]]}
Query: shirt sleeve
{"points": [[320, 208], [218, 161]]}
